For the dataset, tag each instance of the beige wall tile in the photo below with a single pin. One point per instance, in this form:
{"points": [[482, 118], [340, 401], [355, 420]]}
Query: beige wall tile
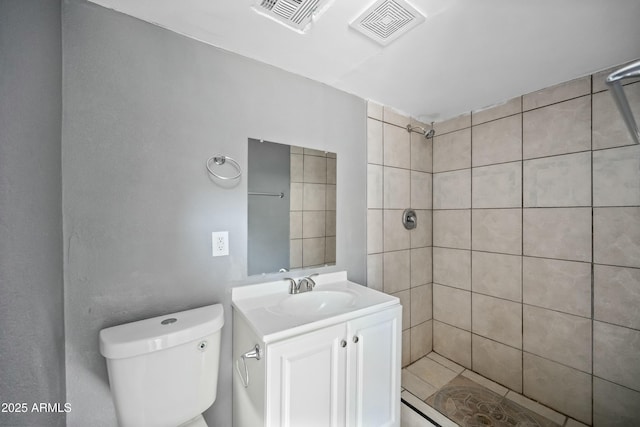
{"points": [[497, 362], [497, 142], [313, 223], [557, 93], [315, 169], [497, 230], [374, 142], [396, 146], [397, 188], [374, 231], [452, 343], [609, 129], [508, 108], [452, 306], [389, 115], [452, 229], [332, 177], [573, 423], [563, 233], [421, 190], [296, 168], [396, 271], [330, 250], [497, 275], [396, 237], [295, 253], [405, 301], [295, 225], [497, 186], [374, 272], [614, 405], [558, 181], [559, 285], [330, 227], [557, 129], [296, 150], [313, 251], [616, 236], [374, 110], [452, 151], [563, 338], [598, 83], [421, 261], [421, 340], [312, 152], [406, 347], [296, 196], [617, 295], [331, 199], [314, 197], [422, 234], [452, 190], [560, 387], [432, 372], [616, 177], [539, 409], [616, 354], [452, 267], [456, 123], [421, 304], [421, 153], [497, 319]]}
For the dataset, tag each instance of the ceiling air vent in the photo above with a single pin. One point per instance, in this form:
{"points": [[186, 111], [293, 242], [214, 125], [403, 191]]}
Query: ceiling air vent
{"points": [[295, 14], [386, 20]]}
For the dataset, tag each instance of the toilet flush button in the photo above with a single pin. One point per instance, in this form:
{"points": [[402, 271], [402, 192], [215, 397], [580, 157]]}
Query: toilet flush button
{"points": [[169, 321]]}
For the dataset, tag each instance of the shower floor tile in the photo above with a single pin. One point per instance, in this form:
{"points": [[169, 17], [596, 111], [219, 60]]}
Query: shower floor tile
{"points": [[437, 386]]}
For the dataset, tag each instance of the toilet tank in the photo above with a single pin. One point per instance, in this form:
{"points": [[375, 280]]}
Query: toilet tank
{"points": [[163, 371]]}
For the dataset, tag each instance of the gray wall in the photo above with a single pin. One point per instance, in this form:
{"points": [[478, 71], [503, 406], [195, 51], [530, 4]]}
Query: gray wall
{"points": [[143, 110], [31, 311], [268, 171]]}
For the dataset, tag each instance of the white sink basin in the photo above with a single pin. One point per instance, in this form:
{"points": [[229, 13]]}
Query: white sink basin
{"points": [[274, 314], [312, 303]]}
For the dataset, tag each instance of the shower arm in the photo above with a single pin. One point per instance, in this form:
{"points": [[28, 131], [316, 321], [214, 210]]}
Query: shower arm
{"points": [[614, 81]]}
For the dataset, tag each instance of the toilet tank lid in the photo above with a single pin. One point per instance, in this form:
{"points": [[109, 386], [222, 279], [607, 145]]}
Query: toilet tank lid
{"points": [[161, 332]]}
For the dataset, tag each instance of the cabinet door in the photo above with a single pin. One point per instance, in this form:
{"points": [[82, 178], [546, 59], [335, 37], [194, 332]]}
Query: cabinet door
{"points": [[373, 385], [306, 380]]}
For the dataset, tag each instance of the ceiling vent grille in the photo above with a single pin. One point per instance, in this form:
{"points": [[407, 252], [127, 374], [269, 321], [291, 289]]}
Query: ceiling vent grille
{"points": [[386, 20], [295, 14]]}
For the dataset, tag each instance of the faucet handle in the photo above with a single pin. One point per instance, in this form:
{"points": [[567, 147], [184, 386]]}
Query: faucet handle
{"points": [[293, 286], [310, 282]]}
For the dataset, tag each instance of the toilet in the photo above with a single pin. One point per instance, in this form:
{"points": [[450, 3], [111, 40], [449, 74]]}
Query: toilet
{"points": [[163, 371]]}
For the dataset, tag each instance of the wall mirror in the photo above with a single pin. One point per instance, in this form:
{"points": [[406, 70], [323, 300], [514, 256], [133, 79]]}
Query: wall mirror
{"points": [[292, 207]]}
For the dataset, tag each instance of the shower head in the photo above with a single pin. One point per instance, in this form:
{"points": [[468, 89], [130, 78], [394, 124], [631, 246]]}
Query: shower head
{"points": [[428, 133]]}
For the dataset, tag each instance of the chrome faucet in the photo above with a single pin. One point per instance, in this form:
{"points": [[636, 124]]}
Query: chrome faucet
{"points": [[305, 284]]}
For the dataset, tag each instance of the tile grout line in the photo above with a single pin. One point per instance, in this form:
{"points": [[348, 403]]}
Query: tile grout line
{"points": [[471, 242], [592, 257], [522, 243]]}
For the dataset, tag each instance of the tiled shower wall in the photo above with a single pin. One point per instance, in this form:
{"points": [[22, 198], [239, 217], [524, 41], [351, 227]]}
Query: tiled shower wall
{"points": [[536, 249], [312, 214], [399, 260]]}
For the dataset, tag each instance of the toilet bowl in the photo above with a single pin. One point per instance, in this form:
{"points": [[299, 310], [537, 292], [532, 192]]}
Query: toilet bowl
{"points": [[163, 371]]}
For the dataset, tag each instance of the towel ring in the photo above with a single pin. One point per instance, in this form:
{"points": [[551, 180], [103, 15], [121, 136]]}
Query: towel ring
{"points": [[221, 160]]}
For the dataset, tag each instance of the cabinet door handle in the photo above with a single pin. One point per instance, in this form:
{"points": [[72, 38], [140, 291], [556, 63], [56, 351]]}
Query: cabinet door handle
{"points": [[343, 343], [356, 339]]}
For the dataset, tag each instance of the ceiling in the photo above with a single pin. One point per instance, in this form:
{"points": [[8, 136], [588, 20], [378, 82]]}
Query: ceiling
{"points": [[468, 54]]}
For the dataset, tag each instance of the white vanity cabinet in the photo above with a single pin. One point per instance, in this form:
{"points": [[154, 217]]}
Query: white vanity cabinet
{"points": [[341, 375], [338, 370]]}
